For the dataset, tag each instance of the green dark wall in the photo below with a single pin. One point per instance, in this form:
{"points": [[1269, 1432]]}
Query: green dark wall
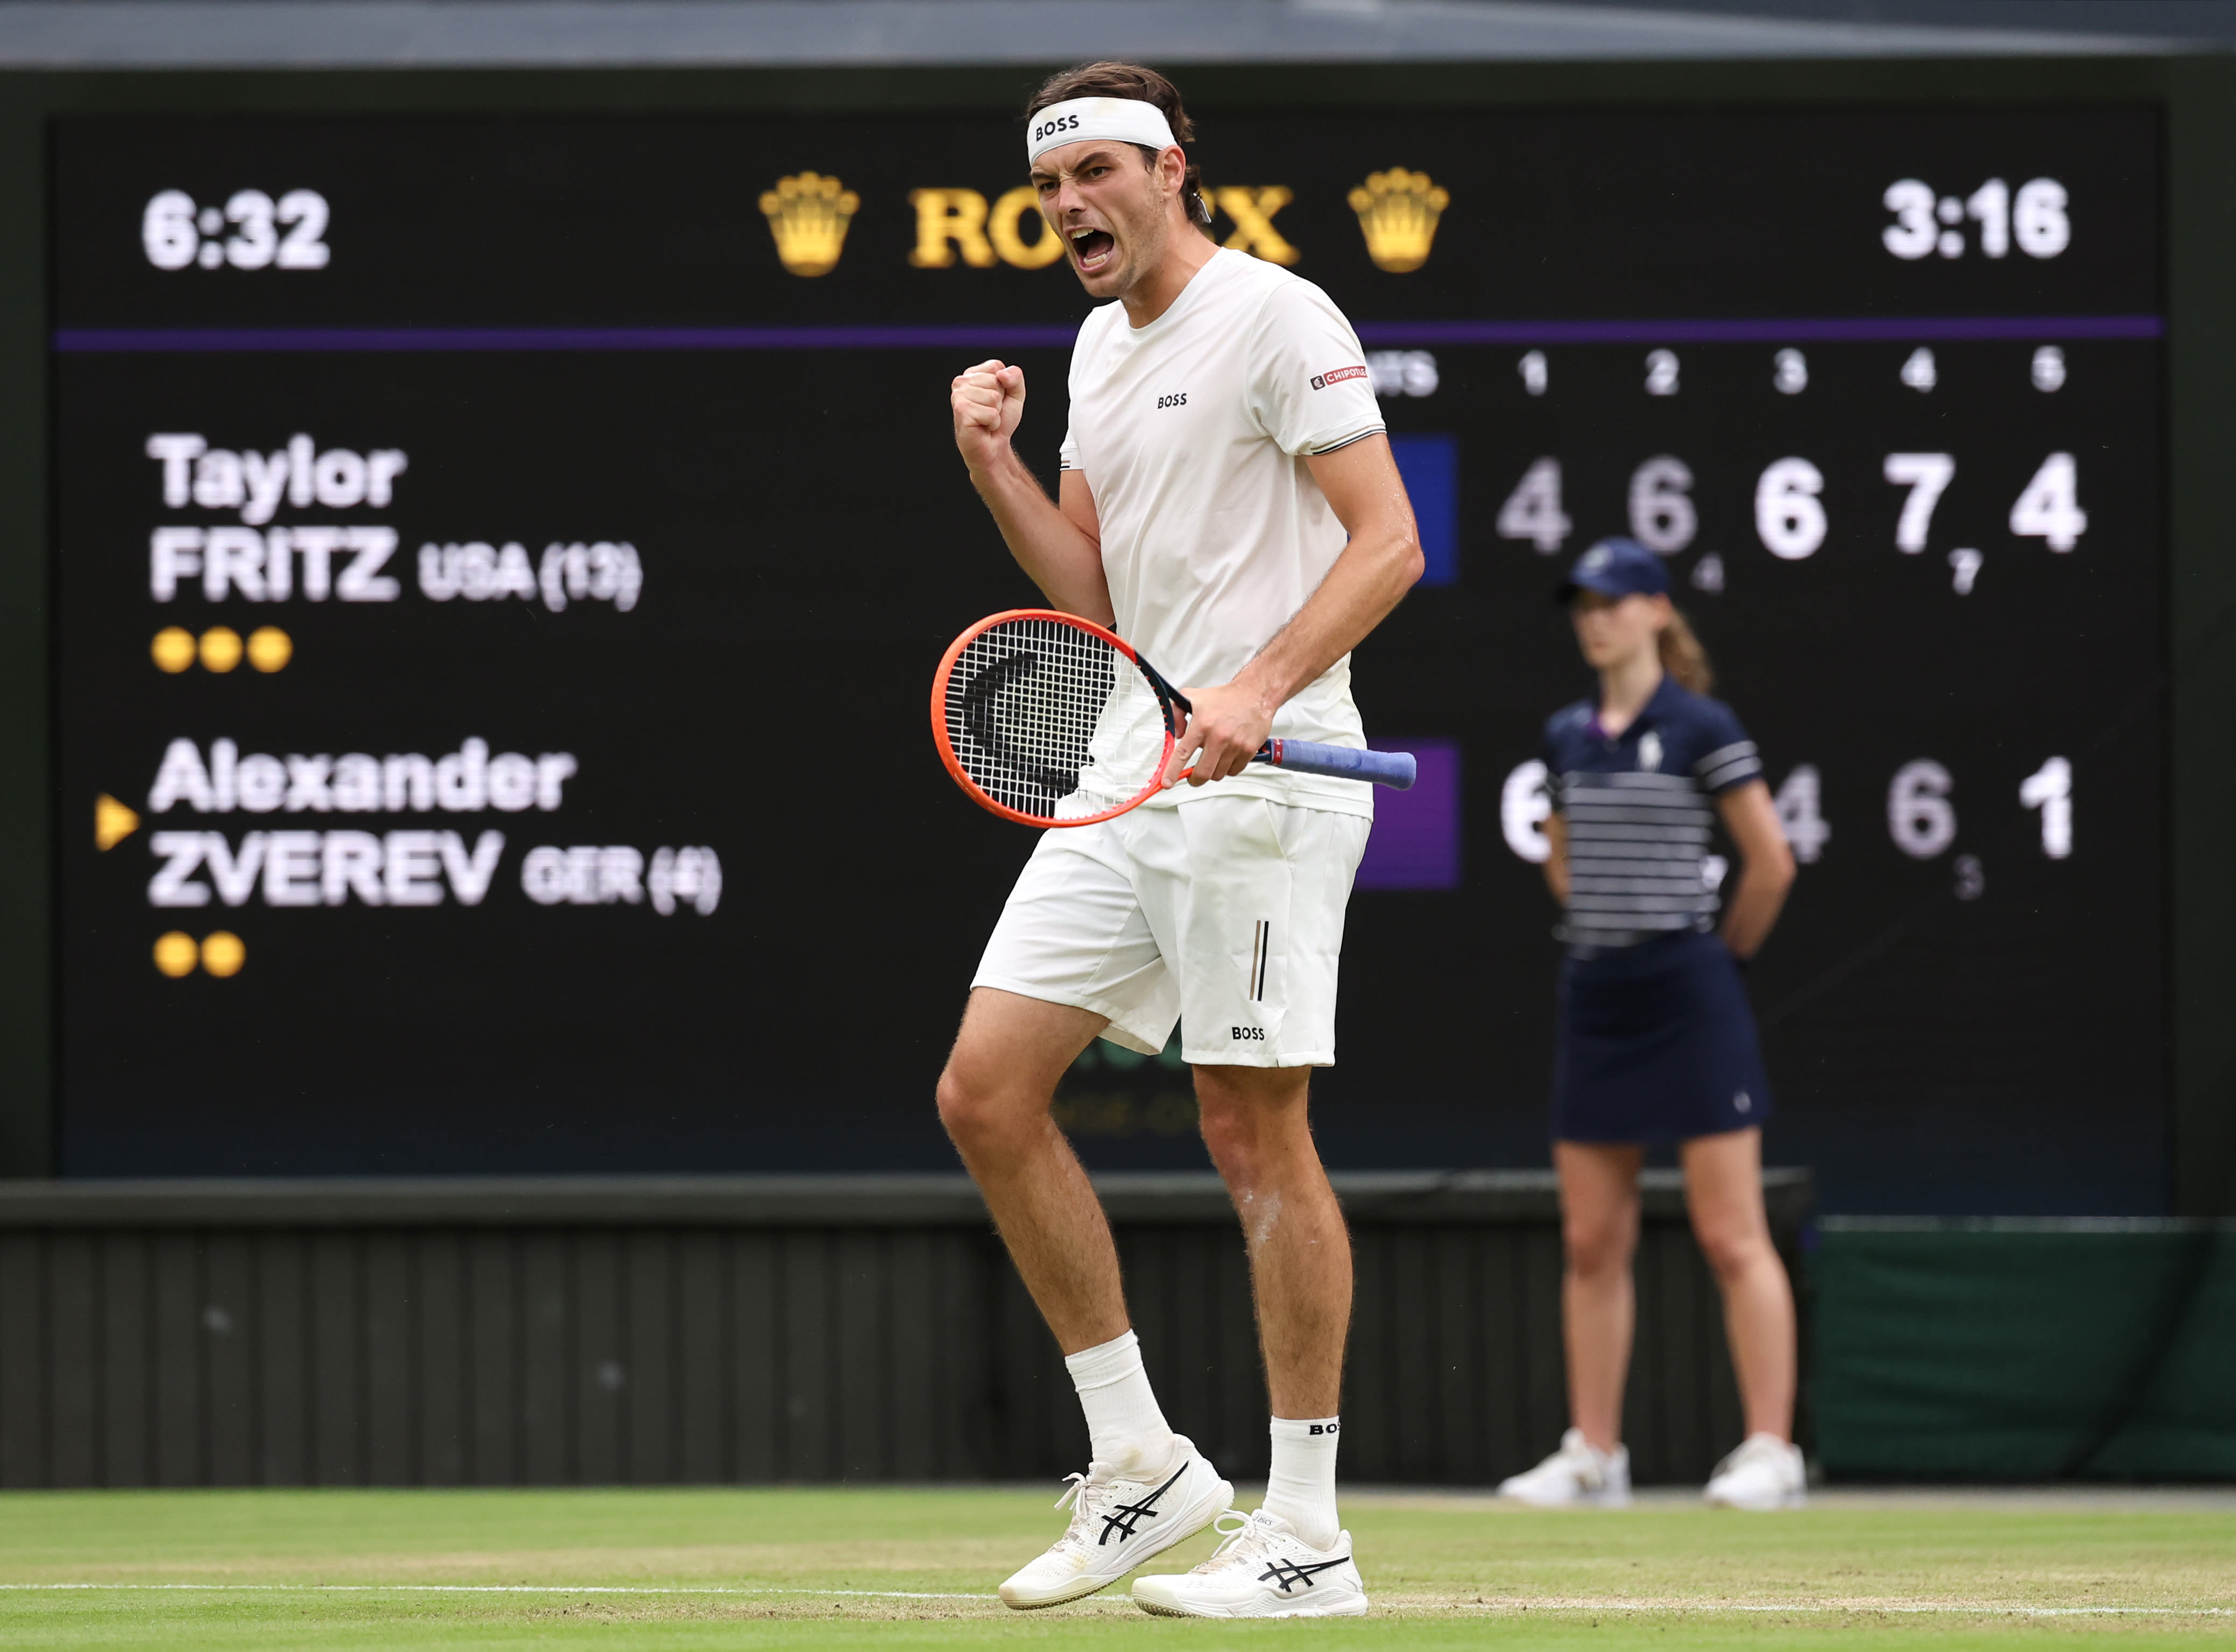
{"points": [[2025, 1350]]}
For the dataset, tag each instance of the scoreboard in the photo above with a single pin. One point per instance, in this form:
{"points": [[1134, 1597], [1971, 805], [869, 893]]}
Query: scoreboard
{"points": [[498, 563]]}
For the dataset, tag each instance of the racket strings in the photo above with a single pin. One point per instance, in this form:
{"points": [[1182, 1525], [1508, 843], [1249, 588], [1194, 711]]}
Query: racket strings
{"points": [[1053, 721]]}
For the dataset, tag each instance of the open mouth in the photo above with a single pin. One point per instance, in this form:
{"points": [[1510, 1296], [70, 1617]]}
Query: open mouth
{"points": [[1092, 248]]}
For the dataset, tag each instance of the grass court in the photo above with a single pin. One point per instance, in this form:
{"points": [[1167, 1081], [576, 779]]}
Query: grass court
{"points": [[897, 1568]]}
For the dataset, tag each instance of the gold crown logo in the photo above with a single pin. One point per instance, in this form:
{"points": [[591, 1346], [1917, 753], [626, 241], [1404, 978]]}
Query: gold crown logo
{"points": [[1397, 211], [808, 214]]}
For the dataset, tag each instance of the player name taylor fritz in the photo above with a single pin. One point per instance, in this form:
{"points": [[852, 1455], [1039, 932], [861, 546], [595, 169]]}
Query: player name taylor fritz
{"points": [[263, 562], [261, 565]]}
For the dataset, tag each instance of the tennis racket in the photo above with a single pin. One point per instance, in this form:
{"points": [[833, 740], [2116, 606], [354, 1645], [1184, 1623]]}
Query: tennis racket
{"points": [[1049, 719]]}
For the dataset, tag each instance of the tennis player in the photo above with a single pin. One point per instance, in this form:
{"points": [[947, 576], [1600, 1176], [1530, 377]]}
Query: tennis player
{"points": [[1657, 1042], [1229, 505]]}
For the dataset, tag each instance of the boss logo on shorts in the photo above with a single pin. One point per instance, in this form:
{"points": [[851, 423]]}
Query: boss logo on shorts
{"points": [[1322, 380], [1180, 400], [1253, 1035]]}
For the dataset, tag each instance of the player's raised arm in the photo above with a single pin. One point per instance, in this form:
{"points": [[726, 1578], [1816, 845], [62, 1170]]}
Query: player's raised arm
{"points": [[1060, 550], [1376, 568]]}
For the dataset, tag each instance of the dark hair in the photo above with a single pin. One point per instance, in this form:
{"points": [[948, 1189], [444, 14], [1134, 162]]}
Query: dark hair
{"points": [[1143, 85]]}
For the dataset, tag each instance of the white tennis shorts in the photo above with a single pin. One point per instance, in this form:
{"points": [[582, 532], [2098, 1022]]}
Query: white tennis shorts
{"points": [[1224, 914]]}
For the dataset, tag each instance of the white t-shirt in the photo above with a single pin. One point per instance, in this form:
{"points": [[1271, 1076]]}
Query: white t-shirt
{"points": [[1194, 432]]}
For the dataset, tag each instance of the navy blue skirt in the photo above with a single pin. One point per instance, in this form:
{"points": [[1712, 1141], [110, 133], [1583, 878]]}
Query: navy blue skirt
{"points": [[1657, 1043]]}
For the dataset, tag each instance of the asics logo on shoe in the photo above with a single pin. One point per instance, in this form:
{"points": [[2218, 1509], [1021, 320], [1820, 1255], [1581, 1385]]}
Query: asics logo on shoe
{"points": [[1125, 1518], [1287, 1572]]}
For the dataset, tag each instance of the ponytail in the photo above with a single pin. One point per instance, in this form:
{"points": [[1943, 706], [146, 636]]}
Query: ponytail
{"points": [[1683, 658]]}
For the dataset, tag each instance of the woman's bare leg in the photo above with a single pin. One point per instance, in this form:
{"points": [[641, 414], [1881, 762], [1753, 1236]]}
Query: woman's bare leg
{"points": [[1723, 1188], [1599, 1234]]}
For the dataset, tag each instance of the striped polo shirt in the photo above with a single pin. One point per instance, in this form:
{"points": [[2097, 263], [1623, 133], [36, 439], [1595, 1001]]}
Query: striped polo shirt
{"points": [[1640, 811]]}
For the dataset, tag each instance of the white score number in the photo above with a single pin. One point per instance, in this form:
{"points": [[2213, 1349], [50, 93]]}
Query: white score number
{"points": [[1922, 821], [245, 233], [1789, 508], [1661, 514], [1926, 222], [1789, 518], [1800, 806], [2050, 509], [1523, 808], [2049, 788], [1921, 818], [1925, 475], [1533, 511]]}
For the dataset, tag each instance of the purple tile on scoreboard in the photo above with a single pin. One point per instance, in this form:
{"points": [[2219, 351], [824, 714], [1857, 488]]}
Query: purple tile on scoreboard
{"points": [[1415, 841]]}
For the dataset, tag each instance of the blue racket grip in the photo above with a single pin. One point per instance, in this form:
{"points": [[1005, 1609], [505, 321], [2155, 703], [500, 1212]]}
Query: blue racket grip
{"points": [[1394, 769]]}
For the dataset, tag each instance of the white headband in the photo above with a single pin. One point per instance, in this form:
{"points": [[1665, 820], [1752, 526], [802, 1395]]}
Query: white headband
{"points": [[1127, 119]]}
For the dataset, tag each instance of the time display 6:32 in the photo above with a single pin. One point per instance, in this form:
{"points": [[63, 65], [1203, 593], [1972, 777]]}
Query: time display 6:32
{"points": [[251, 231]]}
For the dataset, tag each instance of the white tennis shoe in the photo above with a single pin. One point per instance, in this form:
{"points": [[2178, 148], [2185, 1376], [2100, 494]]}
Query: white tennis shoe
{"points": [[1765, 1473], [1575, 1476], [1263, 1570], [1118, 1521]]}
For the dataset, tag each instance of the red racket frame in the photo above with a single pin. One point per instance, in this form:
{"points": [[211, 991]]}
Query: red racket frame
{"points": [[947, 751]]}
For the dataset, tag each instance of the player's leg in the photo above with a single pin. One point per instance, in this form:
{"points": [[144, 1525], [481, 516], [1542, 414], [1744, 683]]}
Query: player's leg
{"points": [[1072, 957], [995, 1100], [1252, 895], [1256, 1127], [1598, 1235], [1723, 1191]]}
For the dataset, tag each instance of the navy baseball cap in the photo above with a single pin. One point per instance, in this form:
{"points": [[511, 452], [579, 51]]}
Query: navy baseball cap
{"points": [[1616, 568]]}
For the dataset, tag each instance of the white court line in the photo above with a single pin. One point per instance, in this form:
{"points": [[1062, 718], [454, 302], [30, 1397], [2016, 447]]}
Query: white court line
{"points": [[1978, 1609], [1973, 1608], [501, 1589]]}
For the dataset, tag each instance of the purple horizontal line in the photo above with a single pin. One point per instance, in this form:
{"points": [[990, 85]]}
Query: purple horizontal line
{"points": [[1804, 330], [138, 341], [1793, 329]]}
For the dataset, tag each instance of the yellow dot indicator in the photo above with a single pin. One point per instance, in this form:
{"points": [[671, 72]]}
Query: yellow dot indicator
{"points": [[173, 649], [176, 954], [220, 649], [270, 647], [223, 954]]}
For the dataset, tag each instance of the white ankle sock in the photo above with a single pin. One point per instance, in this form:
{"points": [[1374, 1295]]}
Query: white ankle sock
{"points": [[1300, 1487], [1123, 1422]]}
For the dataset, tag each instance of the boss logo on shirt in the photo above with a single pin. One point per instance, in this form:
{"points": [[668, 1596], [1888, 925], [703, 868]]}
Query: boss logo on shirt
{"points": [[1249, 1034], [1180, 400], [1322, 380]]}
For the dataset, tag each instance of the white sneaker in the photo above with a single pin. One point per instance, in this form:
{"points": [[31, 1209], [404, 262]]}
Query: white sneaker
{"points": [[1576, 1475], [1117, 1521], [1263, 1570], [1764, 1473]]}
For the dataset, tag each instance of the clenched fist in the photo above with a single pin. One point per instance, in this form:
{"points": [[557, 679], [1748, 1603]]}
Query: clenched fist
{"points": [[988, 401]]}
